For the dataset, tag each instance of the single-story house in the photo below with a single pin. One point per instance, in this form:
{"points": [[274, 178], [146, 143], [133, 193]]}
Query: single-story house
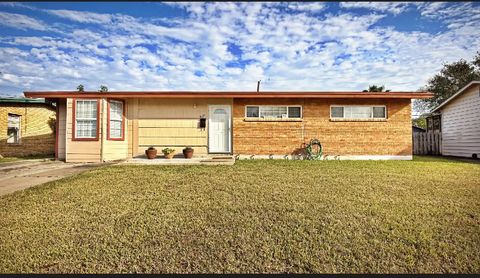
{"points": [[103, 126], [27, 127], [460, 122]]}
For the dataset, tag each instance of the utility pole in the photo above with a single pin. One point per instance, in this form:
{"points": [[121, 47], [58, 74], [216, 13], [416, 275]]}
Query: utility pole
{"points": [[258, 86]]}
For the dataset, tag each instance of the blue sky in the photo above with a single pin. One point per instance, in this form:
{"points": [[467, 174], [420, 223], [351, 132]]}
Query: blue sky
{"points": [[229, 46]]}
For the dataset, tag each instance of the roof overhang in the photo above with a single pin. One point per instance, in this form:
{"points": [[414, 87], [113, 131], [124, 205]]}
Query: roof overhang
{"points": [[224, 94], [24, 100], [456, 95]]}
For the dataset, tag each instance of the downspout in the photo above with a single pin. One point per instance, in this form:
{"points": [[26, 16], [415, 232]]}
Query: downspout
{"points": [[102, 129]]}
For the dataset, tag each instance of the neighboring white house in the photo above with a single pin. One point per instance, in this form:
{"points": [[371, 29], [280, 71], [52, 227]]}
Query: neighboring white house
{"points": [[460, 122]]}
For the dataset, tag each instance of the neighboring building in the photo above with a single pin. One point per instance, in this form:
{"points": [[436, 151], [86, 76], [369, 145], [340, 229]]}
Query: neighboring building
{"points": [[416, 129], [434, 122], [460, 122], [94, 126], [27, 127]]}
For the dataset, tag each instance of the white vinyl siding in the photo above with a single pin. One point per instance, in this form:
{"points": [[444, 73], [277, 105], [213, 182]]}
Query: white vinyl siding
{"points": [[358, 112], [273, 112], [461, 124], [86, 118], [116, 119]]}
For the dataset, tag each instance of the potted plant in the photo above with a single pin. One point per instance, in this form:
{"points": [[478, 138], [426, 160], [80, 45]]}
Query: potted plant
{"points": [[168, 153], [188, 152], [151, 152]]}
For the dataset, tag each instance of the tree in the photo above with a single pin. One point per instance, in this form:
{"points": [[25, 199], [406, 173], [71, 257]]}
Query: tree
{"points": [[80, 88], [103, 89], [420, 122], [451, 78], [375, 88]]}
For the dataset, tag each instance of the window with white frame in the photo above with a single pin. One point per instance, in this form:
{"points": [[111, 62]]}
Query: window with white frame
{"points": [[13, 129], [358, 112], [116, 119], [86, 119], [273, 112]]}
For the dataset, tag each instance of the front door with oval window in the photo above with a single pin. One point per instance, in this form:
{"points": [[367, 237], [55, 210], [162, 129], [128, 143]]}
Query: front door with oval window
{"points": [[219, 127]]}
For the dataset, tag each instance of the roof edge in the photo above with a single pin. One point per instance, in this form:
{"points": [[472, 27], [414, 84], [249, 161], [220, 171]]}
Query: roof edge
{"points": [[23, 100], [466, 87], [227, 94]]}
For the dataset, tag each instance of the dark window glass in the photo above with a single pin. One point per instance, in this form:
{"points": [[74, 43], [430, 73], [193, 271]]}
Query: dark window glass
{"points": [[337, 112], [252, 111], [294, 112], [379, 112]]}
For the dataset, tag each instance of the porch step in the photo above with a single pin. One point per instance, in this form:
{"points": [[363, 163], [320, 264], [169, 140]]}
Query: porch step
{"points": [[222, 157], [219, 160]]}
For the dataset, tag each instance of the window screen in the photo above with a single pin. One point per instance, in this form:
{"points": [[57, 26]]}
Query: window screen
{"points": [[116, 119], [358, 112], [274, 112], [86, 119]]}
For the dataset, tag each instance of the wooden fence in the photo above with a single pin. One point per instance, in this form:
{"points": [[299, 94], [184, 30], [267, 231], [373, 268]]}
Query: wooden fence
{"points": [[429, 142]]}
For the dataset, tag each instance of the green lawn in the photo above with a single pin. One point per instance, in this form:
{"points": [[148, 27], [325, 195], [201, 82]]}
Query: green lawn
{"points": [[9, 159], [22, 158], [255, 216]]}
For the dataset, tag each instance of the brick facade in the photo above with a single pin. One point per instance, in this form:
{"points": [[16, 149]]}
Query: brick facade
{"points": [[37, 129], [392, 137]]}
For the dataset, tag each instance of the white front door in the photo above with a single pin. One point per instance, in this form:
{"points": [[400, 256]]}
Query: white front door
{"points": [[219, 126]]}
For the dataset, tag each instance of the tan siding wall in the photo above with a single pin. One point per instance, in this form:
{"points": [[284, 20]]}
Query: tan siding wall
{"points": [[81, 151], [461, 124], [37, 129], [170, 123], [132, 114], [62, 124], [392, 137], [112, 149]]}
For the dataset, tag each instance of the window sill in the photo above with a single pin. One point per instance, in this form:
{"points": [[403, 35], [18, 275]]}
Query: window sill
{"points": [[84, 139], [272, 120], [358, 120]]}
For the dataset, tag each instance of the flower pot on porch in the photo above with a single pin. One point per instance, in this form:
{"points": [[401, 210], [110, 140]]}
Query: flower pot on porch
{"points": [[188, 152], [168, 153], [151, 153]]}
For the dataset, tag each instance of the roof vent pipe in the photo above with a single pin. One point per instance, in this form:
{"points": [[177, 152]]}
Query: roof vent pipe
{"points": [[258, 86]]}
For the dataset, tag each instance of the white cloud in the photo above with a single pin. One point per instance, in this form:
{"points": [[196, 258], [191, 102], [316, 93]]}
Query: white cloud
{"points": [[455, 16], [298, 50], [17, 5], [390, 7], [83, 17], [307, 6], [20, 21]]}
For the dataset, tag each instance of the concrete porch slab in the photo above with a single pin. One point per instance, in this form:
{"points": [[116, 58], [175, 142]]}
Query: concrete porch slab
{"points": [[208, 160]]}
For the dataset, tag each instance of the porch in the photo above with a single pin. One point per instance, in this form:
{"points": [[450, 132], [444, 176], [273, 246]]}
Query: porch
{"points": [[201, 160]]}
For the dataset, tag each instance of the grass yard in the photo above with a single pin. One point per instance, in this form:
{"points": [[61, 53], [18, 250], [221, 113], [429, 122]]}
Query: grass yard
{"points": [[8, 159], [20, 158], [255, 216]]}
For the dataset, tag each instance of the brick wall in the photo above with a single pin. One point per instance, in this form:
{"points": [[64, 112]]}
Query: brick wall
{"points": [[37, 135], [390, 137]]}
